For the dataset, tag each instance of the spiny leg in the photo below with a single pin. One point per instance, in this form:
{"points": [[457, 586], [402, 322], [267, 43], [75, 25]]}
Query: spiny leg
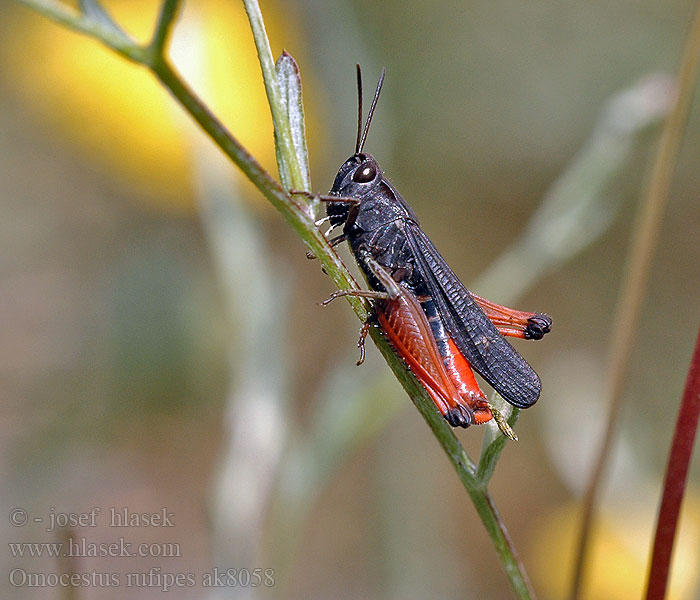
{"points": [[380, 272], [324, 197], [371, 294], [364, 330]]}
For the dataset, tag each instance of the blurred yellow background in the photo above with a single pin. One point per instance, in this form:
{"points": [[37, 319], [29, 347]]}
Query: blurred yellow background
{"points": [[149, 355]]}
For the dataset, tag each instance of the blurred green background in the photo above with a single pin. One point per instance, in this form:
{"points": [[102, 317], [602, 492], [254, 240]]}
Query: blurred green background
{"points": [[162, 344]]}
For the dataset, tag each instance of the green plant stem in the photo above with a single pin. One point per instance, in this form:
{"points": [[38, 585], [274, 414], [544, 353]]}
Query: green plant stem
{"points": [[166, 20], [466, 470], [302, 222], [631, 298]]}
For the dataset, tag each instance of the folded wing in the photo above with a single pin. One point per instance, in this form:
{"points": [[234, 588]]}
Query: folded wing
{"points": [[475, 336]]}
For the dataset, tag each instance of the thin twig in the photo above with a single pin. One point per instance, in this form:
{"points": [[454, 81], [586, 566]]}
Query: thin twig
{"points": [[676, 477], [166, 20], [111, 37], [634, 285]]}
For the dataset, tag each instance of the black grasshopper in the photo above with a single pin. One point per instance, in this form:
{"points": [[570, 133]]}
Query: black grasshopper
{"points": [[435, 324]]}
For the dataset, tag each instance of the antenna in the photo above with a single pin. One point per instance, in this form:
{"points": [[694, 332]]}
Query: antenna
{"points": [[359, 108], [361, 139]]}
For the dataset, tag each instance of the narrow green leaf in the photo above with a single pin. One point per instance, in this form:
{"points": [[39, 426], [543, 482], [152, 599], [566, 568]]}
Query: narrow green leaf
{"points": [[290, 88], [283, 134]]}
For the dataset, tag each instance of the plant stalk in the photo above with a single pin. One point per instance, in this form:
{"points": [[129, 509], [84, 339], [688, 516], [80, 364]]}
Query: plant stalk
{"points": [[636, 277]]}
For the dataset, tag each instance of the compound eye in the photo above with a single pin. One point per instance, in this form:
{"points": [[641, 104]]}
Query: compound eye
{"points": [[365, 173]]}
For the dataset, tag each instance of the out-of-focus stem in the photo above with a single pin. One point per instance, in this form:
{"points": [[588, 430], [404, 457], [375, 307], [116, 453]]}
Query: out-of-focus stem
{"points": [[642, 249]]}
